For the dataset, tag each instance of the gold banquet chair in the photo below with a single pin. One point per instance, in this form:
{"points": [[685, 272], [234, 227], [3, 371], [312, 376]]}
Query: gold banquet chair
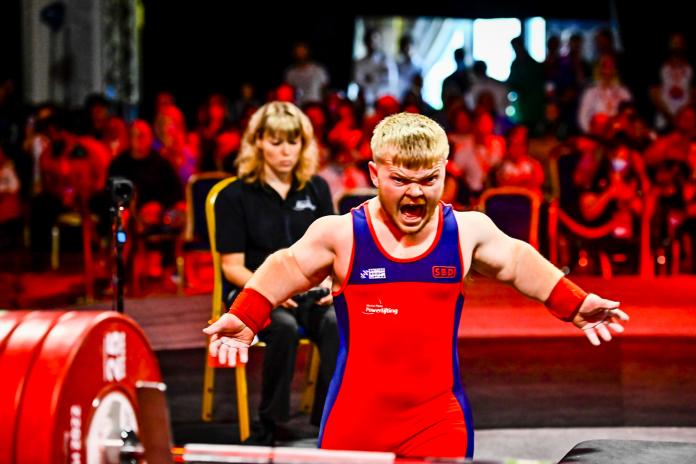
{"points": [[354, 198], [240, 371], [196, 244], [515, 211]]}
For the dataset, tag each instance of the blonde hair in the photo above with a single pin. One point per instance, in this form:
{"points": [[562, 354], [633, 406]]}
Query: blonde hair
{"points": [[413, 140], [277, 119]]}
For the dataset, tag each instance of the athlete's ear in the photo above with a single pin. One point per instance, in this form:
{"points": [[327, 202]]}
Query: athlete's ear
{"points": [[372, 166]]}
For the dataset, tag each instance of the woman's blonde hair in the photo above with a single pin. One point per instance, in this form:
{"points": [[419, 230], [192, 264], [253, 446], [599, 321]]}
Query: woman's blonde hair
{"points": [[282, 120], [413, 140]]}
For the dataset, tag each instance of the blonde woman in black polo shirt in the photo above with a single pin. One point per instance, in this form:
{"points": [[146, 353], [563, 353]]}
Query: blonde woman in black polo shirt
{"points": [[270, 207]]}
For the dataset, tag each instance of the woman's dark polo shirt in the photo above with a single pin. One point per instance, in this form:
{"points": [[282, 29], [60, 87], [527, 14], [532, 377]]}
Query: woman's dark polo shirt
{"points": [[253, 218]]}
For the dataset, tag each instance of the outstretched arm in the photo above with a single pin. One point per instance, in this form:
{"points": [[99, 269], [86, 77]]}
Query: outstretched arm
{"points": [[519, 264], [285, 273]]}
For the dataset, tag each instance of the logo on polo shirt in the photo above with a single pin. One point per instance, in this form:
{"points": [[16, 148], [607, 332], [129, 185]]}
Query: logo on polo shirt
{"points": [[374, 273], [302, 205]]}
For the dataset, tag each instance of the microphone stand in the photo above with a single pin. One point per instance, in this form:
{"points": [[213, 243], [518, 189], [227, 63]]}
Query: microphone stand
{"points": [[119, 239]]}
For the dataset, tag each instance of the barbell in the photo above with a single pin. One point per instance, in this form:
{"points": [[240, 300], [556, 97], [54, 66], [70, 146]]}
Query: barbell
{"points": [[85, 387], [69, 384]]}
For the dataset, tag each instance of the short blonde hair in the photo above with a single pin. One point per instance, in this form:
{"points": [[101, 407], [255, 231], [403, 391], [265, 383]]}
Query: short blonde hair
{"points": [[413, 140], [277, 119]]}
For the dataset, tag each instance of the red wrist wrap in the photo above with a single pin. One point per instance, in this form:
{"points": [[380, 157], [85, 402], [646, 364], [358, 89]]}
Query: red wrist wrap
{"points": [[565, 300], [252, 308]]}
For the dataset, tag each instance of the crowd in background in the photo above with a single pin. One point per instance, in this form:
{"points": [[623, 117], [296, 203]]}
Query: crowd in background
{"points": [[571, 106]]}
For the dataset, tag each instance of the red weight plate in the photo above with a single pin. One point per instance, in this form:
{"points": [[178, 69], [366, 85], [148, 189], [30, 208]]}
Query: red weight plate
{"points": [[87, 369], [8, 321], [21, 348]]}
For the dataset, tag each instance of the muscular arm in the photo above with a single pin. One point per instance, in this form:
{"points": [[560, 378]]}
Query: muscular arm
{"points": [[513, 261], [509, 260], [286, 272]]}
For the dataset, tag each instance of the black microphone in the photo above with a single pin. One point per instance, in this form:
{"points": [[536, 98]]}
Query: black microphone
{"points": [[120, 190]]}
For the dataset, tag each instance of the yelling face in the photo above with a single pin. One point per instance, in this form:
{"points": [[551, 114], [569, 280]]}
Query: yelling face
{"points": [[409, 197]]}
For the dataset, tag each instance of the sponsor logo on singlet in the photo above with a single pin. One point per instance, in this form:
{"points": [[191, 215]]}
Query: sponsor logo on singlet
{"points": [[302, 205], [379, 308], [444, 272], [374, 273]]}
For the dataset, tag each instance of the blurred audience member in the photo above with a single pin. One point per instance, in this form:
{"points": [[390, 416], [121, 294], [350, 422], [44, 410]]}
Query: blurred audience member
{"points": [[116, 136], [97, 116], [676, 83], [518, 168], [527, 82], [605, 44], [675, 145], [158, 202], [245, 104], [36, 142], [552, 67], [376, 73], [482, 83], [72, 171], [576, 73], [410, 70], [460, 127], [307, 77], [164, 99], [604, 96], [475, 156], [213, 120], [10, 203], [634, 128], [615, 190], [172, 143], [669, 160], [456, 85]]}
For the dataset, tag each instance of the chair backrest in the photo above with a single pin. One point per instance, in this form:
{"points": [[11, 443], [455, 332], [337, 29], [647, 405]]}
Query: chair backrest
{"points": [[352, 198], [515, 211], [561, 169], [197, 189], [216, 308]]}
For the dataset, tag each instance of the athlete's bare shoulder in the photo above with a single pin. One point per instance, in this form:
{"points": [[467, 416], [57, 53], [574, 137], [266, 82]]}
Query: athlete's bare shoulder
{"points": [[334, 222], [332, 229], [473, 223], [327, 242], [476, 229]]}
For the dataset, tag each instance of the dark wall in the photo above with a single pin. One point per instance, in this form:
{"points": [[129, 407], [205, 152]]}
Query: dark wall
{"points": [[10, 40], [208, 45], [645, 31], [214, 46]]}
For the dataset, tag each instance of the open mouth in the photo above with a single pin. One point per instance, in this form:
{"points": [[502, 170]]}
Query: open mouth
{"points": [[412, 212]]}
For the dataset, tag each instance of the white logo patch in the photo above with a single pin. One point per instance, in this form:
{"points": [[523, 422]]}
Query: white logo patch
{"points": [[374, 273], [302, 205]]}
